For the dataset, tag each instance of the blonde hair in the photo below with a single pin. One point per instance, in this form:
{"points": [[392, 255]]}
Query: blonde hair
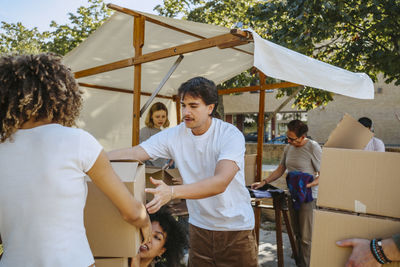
{"points": [[36, 86], [149, 118]]}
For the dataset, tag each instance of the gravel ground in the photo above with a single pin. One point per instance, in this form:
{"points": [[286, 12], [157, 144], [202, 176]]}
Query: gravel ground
{"points": [[267, 250]]}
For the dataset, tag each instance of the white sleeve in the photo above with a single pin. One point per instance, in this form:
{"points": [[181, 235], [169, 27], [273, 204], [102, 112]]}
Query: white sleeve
{"points": [[380, 146], [157, 145], [89, 150], [233, 147]]}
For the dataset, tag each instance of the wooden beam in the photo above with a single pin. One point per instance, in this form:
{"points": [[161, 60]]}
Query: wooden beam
{"points": [[120, 90], [257, 88], [149, 19], [241, 33], [138, 42], [232, 44], [164, 53]]}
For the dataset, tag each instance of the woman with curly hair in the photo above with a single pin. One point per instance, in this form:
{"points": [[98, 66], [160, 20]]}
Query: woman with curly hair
{"points": [[166, 247], [43, 162]]}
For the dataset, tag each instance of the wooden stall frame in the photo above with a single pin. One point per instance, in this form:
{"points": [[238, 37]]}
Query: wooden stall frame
{"points": [[236, 37]]}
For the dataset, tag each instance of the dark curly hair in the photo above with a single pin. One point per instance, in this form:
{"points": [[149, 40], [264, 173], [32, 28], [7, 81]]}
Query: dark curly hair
{"points": [[298, 127], [176, 238], [36, 86], [203, 88]]}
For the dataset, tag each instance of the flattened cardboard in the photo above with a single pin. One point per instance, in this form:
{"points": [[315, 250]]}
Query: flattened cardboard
{"points": [[166, 175], [250, 172], [111, 262], [350, 134], [109, 235], [330, 227], [360, 181]]}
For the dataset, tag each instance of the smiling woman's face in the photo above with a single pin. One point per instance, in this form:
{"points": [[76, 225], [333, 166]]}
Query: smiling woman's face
{"points": [[156, 246]]}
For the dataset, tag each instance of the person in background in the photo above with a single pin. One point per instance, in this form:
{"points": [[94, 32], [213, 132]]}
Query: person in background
{"points": [[210, 155], [166, 247], [301, 157], [371, 253], [374, 144], [43, 164], [156, 118]]}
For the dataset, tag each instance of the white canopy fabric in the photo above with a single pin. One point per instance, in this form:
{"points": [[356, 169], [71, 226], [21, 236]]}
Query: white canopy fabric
{"points": [[107, 115], [285, 64]]}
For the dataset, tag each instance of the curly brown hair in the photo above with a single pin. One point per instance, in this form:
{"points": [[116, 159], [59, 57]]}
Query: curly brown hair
{"points": [[36, 86]]}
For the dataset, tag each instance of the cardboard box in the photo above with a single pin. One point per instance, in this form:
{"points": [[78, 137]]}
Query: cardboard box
{"points": [[360, 181], [350, 134], [250, 168], [330, 227], [109, 235], [111, 262], [165, 175]]}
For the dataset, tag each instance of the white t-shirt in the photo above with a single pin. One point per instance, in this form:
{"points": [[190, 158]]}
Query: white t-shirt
{"points": [[196, 157], [42, 196], [375, 144]]}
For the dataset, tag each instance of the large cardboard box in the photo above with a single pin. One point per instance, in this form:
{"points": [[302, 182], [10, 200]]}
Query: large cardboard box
{"points": [[330, 227], [250, 165], [360, 189], [109, 235], [162, 174], [360, 181], [350, 134], [111, 262]]}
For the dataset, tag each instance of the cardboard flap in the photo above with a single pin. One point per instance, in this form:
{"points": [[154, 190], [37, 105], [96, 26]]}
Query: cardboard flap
{"points": [[360, 181], [173, 172], [350, 134], [127, 160], [126, 170], [152, 170]]}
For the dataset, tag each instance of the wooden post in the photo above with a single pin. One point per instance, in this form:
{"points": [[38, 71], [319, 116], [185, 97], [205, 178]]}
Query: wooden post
{"points": [[260, 134], [278, 229], [260, 143], [178, 109], [138, 42]]}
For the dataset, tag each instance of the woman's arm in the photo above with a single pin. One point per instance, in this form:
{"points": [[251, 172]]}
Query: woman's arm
{"points": [[134, 212], [272, 177]]}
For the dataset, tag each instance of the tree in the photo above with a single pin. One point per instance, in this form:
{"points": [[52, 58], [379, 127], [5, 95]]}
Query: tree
{"points": [[16, 38], [358, 35]]}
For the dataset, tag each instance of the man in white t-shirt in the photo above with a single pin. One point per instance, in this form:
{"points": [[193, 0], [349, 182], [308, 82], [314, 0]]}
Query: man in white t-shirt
{"points": [[374, 144], [210, 156]]}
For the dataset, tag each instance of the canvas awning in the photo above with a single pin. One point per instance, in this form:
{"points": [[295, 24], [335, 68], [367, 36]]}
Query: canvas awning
{"points": [[106, 60]]}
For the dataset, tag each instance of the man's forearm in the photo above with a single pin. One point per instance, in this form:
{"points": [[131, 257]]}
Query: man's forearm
{"points": [[206, 188]]}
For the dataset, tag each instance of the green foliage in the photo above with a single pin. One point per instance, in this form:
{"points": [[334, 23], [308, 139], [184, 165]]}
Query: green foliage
{"points": [[16, 38], [358, 35]]}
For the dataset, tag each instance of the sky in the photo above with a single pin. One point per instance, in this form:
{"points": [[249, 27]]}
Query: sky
{"points": [[39, 13]]}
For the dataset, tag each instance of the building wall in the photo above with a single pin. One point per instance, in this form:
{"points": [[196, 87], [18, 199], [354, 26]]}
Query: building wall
{"points": [[382, 111]]}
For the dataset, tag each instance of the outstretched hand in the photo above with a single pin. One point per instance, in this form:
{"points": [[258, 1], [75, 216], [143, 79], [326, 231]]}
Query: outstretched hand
{"points": [[361, 255], [162, 194]]}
